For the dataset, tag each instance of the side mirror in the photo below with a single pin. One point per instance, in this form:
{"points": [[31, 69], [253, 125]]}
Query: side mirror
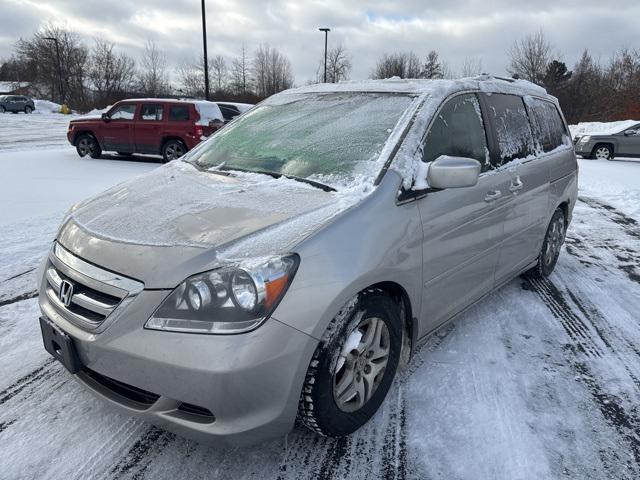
{"points": [[630, 133], [106, 117], [453, 172]]}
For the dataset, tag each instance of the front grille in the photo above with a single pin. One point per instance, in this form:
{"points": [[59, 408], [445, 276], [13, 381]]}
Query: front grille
{"points": [[125, 390], [92, 293], [86, 303]]}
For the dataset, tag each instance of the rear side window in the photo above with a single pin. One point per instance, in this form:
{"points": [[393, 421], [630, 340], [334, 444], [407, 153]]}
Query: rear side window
{"points": [[458, 131], [123, 112], [178, 113], [151, 112], [509, 117], [229, 111], [548, 127]]}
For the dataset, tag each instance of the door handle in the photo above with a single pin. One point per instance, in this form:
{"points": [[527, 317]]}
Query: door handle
{"points": [[516, 185], [492, 195]]}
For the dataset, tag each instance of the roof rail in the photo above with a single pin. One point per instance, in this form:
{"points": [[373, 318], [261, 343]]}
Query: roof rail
{"points": [[488, 76]]}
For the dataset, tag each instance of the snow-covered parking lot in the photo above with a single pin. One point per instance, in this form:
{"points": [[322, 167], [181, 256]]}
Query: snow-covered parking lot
{"points": [[539, 380]]}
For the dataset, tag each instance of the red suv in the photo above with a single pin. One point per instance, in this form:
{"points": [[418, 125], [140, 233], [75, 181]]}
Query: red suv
{"points": [[157, 126]]}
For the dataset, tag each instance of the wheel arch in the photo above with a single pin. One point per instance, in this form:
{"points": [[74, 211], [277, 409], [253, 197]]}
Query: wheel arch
{"points": [[168, 138], [85, 132]]}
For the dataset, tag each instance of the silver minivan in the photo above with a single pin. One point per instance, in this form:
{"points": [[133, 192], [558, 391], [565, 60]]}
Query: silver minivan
{"points": [[285, 268]]}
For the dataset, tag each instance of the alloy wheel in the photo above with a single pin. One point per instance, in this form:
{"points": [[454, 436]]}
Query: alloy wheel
{"points": [[361, 364], [555, 237], [603, 153], [174, 151], [85, 146]]}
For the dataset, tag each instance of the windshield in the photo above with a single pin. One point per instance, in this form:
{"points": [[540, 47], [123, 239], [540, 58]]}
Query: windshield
{"points": [[330, 137]]}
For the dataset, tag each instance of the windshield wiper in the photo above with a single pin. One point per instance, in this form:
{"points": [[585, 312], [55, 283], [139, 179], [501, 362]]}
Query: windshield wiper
{"points": [[313, 183]]}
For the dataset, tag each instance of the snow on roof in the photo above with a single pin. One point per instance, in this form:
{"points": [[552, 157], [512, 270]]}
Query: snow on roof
{"points": [[485, 83]]}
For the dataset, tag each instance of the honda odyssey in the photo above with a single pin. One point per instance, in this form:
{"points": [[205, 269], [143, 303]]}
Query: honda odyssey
{"points": [[286, 267]]}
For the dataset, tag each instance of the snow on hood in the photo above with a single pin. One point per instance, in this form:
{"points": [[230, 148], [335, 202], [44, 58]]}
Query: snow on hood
{"points": [[601, 128], [178, 205]]}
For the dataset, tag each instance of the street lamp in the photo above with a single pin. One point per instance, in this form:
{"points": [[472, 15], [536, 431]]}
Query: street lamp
{"points": [[55, 40], [326, 34], [206, 63]]}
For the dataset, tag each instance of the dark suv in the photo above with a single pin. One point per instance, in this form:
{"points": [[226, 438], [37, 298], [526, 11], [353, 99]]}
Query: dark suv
{"points": [[155, 126], [16, 103]]}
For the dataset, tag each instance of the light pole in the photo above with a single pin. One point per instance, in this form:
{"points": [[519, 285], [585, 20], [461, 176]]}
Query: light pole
{"points": [[326, 34], [55, 40], [204, 43]]}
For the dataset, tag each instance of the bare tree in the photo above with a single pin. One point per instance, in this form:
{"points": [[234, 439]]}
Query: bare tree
{"points": [[403, 65], [271, 70], [338, 65], [471, 67], [530, 56], [218, 71], [191, 77], [111, 74], [153, 79], [240, 78], [65, 79], [432, 67]]}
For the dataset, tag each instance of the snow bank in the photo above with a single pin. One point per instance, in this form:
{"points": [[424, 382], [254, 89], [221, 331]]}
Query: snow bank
{"points": [[601, 128], [45, 106]]}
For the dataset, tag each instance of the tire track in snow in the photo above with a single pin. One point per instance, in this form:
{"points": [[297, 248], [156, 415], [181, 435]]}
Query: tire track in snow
{"points": [[31, 379], [625, 258], [583, 337], [626, 423], [19, 298], [629, 225], [7, 424], [140, 455]]}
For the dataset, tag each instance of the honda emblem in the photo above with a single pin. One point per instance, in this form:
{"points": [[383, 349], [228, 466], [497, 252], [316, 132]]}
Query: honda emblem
{"points": [[66, 292]]}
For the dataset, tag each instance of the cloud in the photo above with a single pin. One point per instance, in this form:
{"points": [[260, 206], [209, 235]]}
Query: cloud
{"points": [[482, 29]]}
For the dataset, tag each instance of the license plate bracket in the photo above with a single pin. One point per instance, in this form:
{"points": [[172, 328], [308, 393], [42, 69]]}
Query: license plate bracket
{"points": [[59, 345]]}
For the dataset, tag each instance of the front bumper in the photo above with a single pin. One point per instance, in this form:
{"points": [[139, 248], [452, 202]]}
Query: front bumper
{"points": [[250, 382], [584, 149]]}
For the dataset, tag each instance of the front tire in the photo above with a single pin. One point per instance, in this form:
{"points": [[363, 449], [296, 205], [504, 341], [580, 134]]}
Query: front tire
{"points": [[86, 144], [28, 109], [172, 150], [353, 367], [550, 252], [602, 152], [2, 109]]}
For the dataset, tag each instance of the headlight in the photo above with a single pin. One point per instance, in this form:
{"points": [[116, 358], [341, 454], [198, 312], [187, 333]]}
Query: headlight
{"points": [[585, 139], [231, 299]]}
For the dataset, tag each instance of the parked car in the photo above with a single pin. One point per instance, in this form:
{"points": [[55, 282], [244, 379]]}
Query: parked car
{"points": [[287, 267], [231, 110], [16, 103], [625, 142], [156, 126]]}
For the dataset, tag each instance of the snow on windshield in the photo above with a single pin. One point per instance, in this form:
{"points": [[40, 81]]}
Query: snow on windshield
{"points": [[332, 138]]}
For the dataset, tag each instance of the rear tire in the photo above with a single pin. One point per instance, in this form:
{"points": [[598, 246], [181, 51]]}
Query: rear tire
{"points": [[353, 367], [550, 252], [172, 150], [86, 144], [602, 152]]}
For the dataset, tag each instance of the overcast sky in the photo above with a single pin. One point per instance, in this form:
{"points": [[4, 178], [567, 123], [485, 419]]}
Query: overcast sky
{"points": [[480, 29]]}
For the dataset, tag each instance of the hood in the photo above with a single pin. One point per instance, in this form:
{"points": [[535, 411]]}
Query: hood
{"points": [[177, 221], [86, 118]]}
